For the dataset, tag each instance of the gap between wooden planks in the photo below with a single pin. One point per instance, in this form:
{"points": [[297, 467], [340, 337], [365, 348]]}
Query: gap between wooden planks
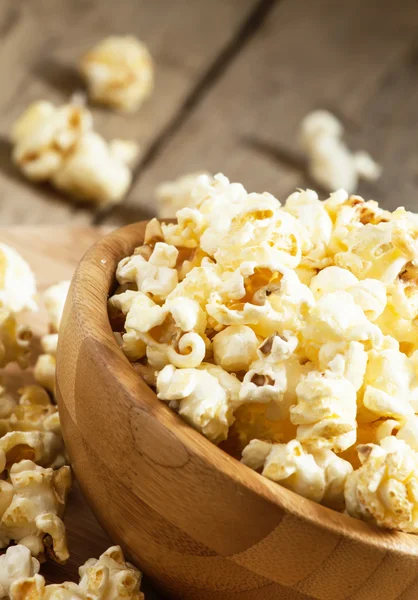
{"points": [[53, 253], [41, 42], [358, 59]]}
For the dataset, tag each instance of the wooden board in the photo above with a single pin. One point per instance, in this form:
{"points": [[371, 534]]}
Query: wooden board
{"points": [[53, 254], [357, 59], [41, 42]]}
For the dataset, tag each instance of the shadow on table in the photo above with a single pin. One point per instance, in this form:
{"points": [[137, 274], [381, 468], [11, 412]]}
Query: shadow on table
{"points": [[62, 77]]}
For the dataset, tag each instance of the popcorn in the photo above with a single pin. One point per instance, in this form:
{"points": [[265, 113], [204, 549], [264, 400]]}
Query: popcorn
{"points": [[118, 72], [319, 477], [59, 145], [235, 348], [286, 333], [173, 195], [54, 300], [390, 384], [199, 398], [331, 163], [14, 340], [106, 578], [17, 563], [17, 281], [33, 502], [325, 411], [384, 489]]}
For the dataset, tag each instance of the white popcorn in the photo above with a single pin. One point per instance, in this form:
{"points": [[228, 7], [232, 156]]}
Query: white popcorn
{"points": [[59, 145], [32, 505], [173, 195], [93, 173], [325, 411], [390, 384], [54, 299], [199, 398], [14, 340], [17, 281], [331, 163], [15, 564], [384, 489], [235, 348], [118, 72], [108, 578], [149, 277], [319, 477]]}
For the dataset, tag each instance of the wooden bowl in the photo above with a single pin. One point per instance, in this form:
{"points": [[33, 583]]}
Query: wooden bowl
{"points": [[199, 523]]}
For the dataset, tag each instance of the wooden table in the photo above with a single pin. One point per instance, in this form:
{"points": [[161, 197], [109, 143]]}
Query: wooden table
{"points": [[233, 80]]}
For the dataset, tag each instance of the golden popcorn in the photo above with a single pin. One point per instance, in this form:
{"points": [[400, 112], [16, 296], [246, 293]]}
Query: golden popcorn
{"points": [[285, 333], [14, 340], [118, 72]]}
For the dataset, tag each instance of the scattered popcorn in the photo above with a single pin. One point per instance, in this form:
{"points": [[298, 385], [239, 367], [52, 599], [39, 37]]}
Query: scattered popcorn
{"points": [[17, 281], [331, 164], [59, 145], [118, 72], [384, 489], [17, 563], [106, 578], [173, 195], [33, 500], [54, 300], [287, 334], [14, 340]]}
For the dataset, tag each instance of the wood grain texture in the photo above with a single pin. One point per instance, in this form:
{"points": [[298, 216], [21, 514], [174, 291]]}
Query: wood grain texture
{"points": [[53, 254], [357, 59], [41, 42], [200, 523]]}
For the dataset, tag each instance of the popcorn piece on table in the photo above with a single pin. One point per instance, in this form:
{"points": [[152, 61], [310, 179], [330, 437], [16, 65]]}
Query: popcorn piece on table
{"points": [[14, 340], [17, 281], [173, 195], [331, 163], [384, 489], [319, 476], [108, 578], [118, 72], [59, 145], [17, 563], [54, 300], [33, 501]]}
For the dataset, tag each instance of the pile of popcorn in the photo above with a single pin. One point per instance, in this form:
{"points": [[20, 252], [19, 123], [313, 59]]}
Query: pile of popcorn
{"points": [[35, 477], [289, 335]]}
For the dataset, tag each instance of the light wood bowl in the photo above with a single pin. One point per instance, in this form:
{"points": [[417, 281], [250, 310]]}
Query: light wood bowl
{"points": [[202, 525]]}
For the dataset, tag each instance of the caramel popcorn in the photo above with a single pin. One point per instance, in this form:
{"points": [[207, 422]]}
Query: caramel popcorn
{"points": [[331, 164], [106, 578], [285, 333], [118, 72], [59, 145]]}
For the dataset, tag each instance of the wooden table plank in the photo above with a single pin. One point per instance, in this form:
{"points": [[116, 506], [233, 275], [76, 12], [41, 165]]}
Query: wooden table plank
{"points": [[41, 42], [53, 253], [358, 59]]}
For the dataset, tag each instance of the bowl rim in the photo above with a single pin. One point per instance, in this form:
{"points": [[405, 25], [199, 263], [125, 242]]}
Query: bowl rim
{"points": [[104, 256]]}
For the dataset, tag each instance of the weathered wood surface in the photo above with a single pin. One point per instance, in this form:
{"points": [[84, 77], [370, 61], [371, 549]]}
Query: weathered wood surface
{"points": [[41, 42], [53, 253], [234, 79]]}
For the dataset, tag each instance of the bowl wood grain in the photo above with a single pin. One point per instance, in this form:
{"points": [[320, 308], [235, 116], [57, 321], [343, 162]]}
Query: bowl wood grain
{"points": [[202, 525]]}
